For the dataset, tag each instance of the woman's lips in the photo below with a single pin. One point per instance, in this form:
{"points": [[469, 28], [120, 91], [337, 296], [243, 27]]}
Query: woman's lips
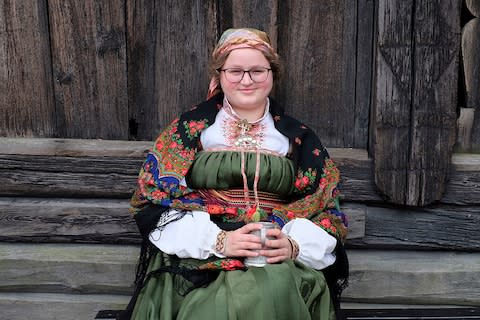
{"points": [[249, 90]]}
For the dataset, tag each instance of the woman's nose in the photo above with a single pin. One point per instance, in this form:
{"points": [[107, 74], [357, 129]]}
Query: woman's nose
{"points": [[246, 79]]}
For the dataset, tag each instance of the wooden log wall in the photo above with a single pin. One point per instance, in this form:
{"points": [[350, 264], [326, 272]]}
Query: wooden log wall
{"points": [[27, 106], [124, 69], [372, 78], [66, 238], [77, 191], [169, 44], [89, 58]]}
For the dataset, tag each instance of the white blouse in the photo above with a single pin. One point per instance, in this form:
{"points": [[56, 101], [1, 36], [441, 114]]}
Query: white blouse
{"points": [[193, 235]]}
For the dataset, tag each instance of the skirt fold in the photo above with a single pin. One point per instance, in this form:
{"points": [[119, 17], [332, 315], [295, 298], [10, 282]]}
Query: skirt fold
{"points": [[286, 291]]}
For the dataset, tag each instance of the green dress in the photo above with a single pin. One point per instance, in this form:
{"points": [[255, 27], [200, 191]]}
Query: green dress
{"points": [[288, 290]]}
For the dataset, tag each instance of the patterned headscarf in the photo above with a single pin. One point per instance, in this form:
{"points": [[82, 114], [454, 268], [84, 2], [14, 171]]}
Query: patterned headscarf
{"points": [[233, 39]]}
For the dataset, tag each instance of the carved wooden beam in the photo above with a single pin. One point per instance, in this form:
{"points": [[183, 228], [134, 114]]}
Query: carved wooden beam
{"points": [[414, 117]]}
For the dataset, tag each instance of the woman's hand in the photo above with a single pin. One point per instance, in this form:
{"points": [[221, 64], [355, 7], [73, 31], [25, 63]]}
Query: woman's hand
{"points": [[278, 249], [240, 243]]}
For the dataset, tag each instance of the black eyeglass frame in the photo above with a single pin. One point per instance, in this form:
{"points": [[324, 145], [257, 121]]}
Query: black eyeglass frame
{"points": [[243, 75]]}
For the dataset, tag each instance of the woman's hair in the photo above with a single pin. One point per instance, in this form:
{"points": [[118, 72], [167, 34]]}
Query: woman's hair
{"points": [[233, 39]]}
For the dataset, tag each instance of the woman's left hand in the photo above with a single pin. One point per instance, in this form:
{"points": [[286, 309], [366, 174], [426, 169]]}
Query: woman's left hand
{"points": [[278, 249]]}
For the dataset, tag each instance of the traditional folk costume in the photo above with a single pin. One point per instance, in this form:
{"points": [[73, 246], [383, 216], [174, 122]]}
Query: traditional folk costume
{"points": [[211, 170]]}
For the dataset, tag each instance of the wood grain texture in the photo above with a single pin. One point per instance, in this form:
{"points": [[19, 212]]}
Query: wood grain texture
{"points": [[434, 99], [68, 176], [440, 227], [48, 306], [463, 187], [401, 277], [364, 34], [356, 175], [100, 168], [115, 177], [405, 277], [67, 268], [259, 14], [26, 93], [169, 46], [391, 120], [74, 147], [465, 128], [101, 221], [471, 63], [415, 103], [89, 66], [107, 221], [61, 220], [313, 46]]}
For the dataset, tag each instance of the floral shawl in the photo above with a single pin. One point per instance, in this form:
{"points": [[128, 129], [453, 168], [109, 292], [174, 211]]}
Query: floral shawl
{"points": [[160, 180], [160, 188]]}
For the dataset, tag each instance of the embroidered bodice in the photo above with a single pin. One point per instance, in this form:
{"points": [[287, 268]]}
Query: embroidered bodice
{"points": [[229, 132]]}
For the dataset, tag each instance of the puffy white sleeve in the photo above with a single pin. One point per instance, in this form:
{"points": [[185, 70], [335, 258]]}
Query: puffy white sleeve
{"points": [[192, 236], [316, 245]]}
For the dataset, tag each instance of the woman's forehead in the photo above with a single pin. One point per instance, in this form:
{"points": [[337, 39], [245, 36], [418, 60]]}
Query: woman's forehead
{"points": [[247, 56]]}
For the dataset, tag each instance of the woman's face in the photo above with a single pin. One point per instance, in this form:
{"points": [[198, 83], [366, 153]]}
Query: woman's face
{"points": [[246, 96]]}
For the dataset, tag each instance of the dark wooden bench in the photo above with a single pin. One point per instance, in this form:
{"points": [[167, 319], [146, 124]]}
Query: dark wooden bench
{"points": [[379, 314], [414, 313]]}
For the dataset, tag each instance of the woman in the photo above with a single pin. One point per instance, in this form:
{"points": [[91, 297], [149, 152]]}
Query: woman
{"points": [[233, 160]]}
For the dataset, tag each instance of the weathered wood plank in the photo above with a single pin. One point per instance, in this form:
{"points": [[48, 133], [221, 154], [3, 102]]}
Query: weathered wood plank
{"points": [[116, 164], [465, 128], [74, 174], [463, 186], [108, 221], [407, 312], [259, 14], [68, 176], [91, 221], [392, 99], [471, 61], [348, 57], [364, 69], [89, 66], [67, 220], [356, 174], [356, 221], [26, 99], [48, 306], [385, 306], [436, 227], [410, 277], [312, 44], [67, 268], [403, 277], [169, 46], [74, 147], [415, 116], [434, 99]]}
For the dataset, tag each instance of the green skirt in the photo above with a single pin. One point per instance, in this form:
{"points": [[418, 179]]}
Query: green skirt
{"points": [[289, 291]]}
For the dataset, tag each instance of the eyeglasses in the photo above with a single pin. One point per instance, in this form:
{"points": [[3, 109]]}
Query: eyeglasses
{"points": [[258, 74]]}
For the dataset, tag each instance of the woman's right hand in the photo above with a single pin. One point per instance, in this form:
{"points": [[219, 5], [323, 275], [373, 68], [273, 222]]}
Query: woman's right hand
{"points": [[240, 243]]}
